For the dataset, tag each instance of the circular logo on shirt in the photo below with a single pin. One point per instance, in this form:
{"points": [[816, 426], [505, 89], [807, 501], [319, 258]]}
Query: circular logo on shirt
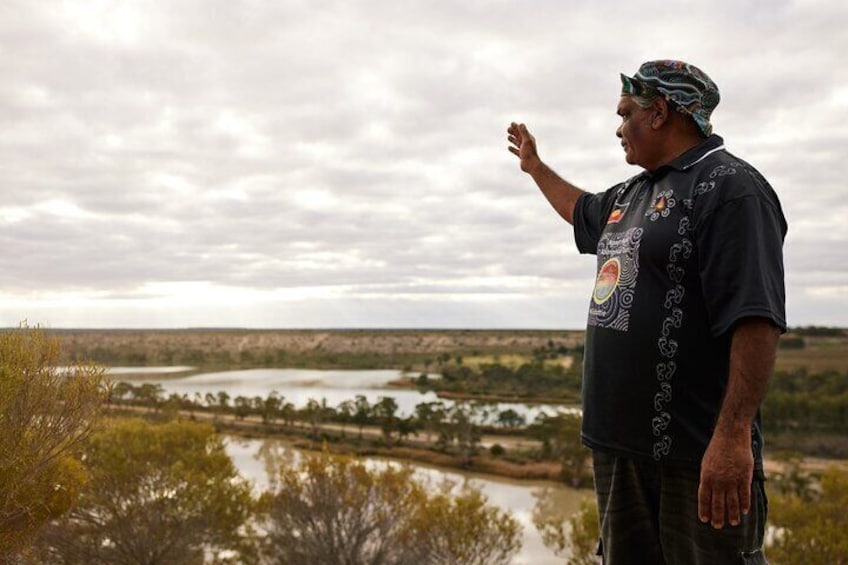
{"points": [[607, 280]]}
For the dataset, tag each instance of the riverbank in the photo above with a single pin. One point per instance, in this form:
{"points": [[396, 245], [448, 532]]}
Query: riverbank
{"points": [[480, 463], [512, 463], [346, 440]]}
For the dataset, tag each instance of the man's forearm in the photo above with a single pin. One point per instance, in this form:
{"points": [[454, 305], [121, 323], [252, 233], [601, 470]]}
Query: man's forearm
{"points": [[752, 354], [561, 194], [724, 491]]}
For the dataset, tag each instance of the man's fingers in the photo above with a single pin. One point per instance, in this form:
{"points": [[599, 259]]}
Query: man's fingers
{"points": [[745, 498], [514, 136], [717, 507], [704, 501], [733, 517], [514, 151], [719, 504]]}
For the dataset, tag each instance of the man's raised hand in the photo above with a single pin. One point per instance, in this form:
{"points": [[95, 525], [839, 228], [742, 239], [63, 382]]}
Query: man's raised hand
{"points": [[524, 146]]}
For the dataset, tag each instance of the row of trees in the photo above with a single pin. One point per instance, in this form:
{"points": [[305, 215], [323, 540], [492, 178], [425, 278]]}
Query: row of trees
{"points": [[357, 411], [457, 428]]}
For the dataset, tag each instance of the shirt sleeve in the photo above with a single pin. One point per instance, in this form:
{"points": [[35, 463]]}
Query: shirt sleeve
{"points": [[740, 252], [588, 224]]}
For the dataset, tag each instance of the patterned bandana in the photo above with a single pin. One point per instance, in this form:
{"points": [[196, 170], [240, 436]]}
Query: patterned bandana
{"points": [[687, 87]]}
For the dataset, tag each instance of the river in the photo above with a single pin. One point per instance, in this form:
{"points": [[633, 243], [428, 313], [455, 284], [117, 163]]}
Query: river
{"points": [[299, 385]]}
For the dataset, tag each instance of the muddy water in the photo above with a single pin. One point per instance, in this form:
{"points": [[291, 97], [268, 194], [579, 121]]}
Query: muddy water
{"points": [[518, 497]]}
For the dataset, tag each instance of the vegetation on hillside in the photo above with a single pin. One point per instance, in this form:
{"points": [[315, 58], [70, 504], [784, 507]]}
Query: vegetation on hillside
{"points": [[808, 514], [413, 350], [808, 402], [329, 509], [45, 414], [531, 381], [164, 493], [161, 493], [167, 493]]}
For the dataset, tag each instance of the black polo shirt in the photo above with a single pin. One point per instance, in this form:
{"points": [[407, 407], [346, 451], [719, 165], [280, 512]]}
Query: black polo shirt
{"points": [[684, 252]]}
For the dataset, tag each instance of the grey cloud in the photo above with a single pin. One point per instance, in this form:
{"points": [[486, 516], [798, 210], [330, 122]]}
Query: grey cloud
{"points": [[363, 146]]}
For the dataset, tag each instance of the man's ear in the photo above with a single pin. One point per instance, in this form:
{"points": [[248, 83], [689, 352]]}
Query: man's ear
{"points": [[660, 109]]}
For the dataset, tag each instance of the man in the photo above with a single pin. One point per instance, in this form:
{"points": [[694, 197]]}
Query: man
{"points": [[683, 327]]}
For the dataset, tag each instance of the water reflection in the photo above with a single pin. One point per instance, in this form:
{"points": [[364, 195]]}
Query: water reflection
{"points": [[522, 498]]}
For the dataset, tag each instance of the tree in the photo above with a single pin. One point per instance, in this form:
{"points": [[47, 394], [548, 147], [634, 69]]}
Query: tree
{"points": [[223, 401], [430, 416], [510, 419], [149, 394], [585, 531], [345, 411], [211, 400], [242, 407], [574, 537], [362, 413], [271, 407], [120, 391], [462, 428], [335, 510], [462, 528], [314, 414], [560, 437], [288, 413], [159, 494], [45, 414], [385, 411], [406, 427]]}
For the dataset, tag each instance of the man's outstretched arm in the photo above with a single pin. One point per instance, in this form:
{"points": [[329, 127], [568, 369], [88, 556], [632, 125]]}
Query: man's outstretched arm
{"points": [[561, 194]]}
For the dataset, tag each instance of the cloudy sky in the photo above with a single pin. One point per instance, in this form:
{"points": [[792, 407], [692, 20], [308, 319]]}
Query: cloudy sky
{"points": [[283, 163]]}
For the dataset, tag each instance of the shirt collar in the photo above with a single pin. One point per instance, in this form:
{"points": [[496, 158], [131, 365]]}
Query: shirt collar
{"points": [[691, 157]]}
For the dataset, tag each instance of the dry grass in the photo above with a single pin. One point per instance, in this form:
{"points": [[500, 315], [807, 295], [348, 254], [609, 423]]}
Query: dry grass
{"points": [[513, 361], [819, 355]]}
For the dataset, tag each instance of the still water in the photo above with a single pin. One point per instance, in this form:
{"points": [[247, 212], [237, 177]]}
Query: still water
{"points": [[518, 497], [299, 385]]}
